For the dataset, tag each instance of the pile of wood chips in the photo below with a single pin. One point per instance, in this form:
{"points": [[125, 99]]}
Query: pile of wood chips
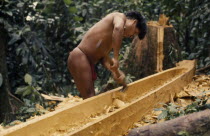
{"points": [[198, 87], [70, 100]]}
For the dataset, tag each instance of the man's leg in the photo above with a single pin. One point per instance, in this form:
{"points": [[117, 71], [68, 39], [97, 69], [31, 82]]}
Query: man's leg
{"points": [[80, 69]]}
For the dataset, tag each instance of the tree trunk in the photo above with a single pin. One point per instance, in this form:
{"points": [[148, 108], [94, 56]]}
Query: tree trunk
{"points": [[196, 124], [5, 107], [8, 103], [158, 51]]}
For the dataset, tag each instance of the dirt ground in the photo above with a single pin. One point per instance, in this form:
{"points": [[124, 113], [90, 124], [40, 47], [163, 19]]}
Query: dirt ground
{"points": [[198, 87]]}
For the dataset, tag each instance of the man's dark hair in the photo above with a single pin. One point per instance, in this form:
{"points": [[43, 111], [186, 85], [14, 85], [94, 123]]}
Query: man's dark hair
{"points": [[141, 22]]}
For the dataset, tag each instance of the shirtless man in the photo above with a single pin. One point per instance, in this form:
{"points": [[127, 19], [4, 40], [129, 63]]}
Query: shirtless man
{"points": [[100, 39]]}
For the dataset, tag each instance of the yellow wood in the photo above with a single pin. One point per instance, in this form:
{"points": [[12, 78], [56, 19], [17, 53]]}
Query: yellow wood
{"points": [[140, 97], [163, 20], [160, 56]]}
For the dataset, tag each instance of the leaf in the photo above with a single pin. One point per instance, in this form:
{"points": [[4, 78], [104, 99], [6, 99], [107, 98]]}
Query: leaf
{"points": [[163, 115], [14, 39], [36, 93], [26, 29], [38, 88], [72, 10], [84, 12], [20, 90], [172, 109], [20, 5], [67, 2], [27, 102], [26, 92], [28, 79], [207, 59], [9, 13], [31, 110], [183, 133], [159, 109], [24, 60], [1, 79], [78, 18]]}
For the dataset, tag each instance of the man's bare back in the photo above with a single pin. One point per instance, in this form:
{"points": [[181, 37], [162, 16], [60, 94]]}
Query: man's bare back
{"points": [[97, 42], [104, 36]]}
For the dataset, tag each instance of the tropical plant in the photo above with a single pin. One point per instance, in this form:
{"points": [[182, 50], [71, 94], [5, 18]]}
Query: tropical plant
{"points": [[43, 32], [171, 110]]}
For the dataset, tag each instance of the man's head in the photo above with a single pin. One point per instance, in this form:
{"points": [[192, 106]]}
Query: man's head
{"points": [[135, 24]]}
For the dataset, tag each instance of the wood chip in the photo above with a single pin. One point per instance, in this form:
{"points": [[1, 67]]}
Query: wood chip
{"points": [[118, 103], [53, 98]]}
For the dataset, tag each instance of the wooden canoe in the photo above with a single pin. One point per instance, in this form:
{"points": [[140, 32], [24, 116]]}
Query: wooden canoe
{"points": [[90, 117]]}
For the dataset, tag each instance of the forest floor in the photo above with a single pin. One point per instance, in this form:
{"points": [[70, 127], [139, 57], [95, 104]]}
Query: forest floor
{"points": [[199, 87]]}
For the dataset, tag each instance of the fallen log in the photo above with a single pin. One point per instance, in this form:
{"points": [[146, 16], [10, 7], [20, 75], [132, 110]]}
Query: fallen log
{"points": [[196, 124]]}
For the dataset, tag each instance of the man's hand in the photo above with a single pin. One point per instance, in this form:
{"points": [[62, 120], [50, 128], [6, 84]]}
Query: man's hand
{"points": [[114, 65], [110, 64], [119, 77]]}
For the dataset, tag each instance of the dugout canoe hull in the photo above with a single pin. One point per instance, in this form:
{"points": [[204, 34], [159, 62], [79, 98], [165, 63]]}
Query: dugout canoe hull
{"points": [[141, 96]]}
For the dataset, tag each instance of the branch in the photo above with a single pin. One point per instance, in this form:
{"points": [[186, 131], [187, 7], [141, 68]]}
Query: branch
{"points": [[204, 68]]}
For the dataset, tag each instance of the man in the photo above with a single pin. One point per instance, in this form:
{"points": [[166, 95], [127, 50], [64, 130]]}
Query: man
{"points": [[104, 36]]}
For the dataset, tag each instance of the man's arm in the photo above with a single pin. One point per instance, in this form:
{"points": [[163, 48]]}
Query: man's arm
{"points": [[107, 62], [117, 36]]}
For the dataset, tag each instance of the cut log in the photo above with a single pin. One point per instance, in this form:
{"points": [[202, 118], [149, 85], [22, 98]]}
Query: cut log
{"points": [[158, 51], [171, 49], [196, 124]]}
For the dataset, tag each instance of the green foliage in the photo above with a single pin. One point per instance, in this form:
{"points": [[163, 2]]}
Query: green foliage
{"points": [[28, 110], [30, 91], [191, 20], [39, 41], [41, 34], [171, 110]]}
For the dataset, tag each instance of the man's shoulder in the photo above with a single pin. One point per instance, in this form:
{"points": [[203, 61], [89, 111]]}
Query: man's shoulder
{"points": [[117, 14]]}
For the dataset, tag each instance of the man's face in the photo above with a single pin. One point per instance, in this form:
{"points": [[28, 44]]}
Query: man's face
{"points": [[133, 32], [130, 29]]}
